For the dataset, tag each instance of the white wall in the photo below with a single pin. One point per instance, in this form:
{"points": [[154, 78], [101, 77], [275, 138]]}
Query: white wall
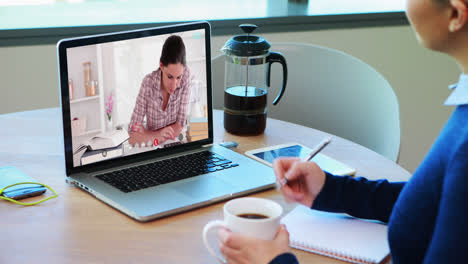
{"points": [[419, 77]]}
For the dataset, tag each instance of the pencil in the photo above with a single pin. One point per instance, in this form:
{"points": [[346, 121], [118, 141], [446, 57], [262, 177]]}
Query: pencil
{"points": [[315, 151]]}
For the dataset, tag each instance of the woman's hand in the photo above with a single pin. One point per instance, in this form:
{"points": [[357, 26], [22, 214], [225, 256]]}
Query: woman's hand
{"points": [[241, 249], [138, 128], [145, 138], [305, 179], [167, 132]]}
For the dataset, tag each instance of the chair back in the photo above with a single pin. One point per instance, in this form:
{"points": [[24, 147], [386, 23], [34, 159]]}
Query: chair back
{"points": [[331, 91]]}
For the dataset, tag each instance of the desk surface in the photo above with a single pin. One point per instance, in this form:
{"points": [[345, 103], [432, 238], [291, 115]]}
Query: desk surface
{"points": [[77, 228]]}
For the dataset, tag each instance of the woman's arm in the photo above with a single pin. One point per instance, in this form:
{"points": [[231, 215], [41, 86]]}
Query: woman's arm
{"points": [[358, 197], [285, 258], [139, 111]]}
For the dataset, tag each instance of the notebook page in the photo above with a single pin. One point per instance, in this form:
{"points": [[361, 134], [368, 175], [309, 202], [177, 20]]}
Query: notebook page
{"points": [[337, 234]]}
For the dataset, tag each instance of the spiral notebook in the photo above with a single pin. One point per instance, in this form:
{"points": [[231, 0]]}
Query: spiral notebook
{"points": [[337, 235]]}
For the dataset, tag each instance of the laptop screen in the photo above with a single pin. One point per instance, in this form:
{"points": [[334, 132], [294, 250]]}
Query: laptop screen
{"points": [[135, 92]]}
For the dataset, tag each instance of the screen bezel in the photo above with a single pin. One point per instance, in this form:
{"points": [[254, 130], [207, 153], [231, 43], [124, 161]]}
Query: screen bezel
{"points": [[62, 47]]}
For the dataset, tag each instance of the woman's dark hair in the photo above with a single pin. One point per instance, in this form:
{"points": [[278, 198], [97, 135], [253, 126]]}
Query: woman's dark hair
{"points": [[173, 51]]}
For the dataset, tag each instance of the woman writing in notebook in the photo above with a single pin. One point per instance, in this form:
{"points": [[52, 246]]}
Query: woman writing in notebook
{"points": [[427, 215], [163, 98]]}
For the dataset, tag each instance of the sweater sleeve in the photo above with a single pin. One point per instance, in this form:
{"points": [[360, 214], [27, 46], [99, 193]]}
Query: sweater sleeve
{"points": [[358, 197], [285, 258]]}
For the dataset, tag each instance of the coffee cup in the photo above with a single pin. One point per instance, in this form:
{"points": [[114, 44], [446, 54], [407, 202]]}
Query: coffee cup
{"points": [[255, 217]]}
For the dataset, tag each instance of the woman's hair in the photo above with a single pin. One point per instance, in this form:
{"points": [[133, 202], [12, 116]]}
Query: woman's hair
{"points": [[173, 51]]}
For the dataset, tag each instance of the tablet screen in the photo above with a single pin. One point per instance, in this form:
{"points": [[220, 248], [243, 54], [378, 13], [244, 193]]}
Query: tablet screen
{"points": [[325, 162], [291, 151]]}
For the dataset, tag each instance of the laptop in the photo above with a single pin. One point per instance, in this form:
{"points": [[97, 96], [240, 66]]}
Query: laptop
{"points": [[100, 80]]}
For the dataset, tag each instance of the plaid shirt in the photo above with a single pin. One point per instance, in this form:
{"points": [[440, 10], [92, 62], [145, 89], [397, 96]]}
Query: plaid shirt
{"points": [[150, 100]]}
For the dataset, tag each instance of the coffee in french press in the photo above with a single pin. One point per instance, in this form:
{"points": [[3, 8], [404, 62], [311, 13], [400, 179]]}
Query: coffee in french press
{"points": [[247, 78]]}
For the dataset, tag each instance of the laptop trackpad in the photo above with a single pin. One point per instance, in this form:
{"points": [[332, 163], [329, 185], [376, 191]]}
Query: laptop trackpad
{"points": [[205, 187]]}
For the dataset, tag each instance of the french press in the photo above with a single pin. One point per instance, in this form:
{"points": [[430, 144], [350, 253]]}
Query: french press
{"points": [[247, 79]]}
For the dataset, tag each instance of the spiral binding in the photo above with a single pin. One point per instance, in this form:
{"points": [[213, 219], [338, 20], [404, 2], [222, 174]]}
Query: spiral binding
{"points": [[328, 252]]}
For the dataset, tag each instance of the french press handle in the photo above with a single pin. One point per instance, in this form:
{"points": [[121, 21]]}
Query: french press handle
{"points": [[277, 57]]}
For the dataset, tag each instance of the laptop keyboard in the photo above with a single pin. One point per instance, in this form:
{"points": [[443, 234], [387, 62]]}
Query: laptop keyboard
{"points": [[165, 171]]}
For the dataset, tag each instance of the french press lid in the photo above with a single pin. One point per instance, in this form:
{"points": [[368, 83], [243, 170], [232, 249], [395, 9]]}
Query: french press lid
{"points": [[246, 45]]}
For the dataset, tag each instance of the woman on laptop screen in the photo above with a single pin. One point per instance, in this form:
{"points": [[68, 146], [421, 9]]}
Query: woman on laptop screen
{"points": [[163, 98]]}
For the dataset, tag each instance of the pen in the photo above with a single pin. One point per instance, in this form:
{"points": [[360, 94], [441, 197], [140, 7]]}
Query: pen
{"points": [[311, 155]]}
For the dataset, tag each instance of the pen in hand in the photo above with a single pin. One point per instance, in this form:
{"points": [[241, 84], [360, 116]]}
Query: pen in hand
{"points": [[315, 151]]}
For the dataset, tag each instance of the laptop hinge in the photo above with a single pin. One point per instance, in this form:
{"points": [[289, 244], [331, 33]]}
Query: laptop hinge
{"points": [[207, 145]]}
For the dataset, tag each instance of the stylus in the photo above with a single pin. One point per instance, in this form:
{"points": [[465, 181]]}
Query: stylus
{"points": [[311, 155]]}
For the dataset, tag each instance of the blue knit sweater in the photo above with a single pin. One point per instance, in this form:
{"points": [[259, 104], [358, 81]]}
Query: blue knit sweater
{"points": [[428, 216]]}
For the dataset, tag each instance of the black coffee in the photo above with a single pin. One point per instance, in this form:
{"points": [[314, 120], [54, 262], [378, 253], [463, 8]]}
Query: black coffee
{"points": [[252, 216], [245, 110]]}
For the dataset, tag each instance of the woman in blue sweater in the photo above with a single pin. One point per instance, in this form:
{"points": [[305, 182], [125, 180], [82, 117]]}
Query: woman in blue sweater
{"points": [[428, 215]]}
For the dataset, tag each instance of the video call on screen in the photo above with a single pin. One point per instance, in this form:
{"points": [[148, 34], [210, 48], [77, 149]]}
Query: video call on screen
{"points": [[104, 82]]}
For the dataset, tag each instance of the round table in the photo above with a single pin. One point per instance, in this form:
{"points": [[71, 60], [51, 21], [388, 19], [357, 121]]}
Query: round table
{"points": [[77, 228]]}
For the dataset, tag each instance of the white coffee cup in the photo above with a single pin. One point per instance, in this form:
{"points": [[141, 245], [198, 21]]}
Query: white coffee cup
{"points": [[236, 213]]}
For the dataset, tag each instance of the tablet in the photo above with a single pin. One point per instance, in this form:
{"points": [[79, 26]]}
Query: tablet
{"points": [[326, 163]]}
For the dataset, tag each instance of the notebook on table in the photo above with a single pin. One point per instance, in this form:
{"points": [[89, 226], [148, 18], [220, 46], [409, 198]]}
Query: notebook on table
{"points": [[100, 77], [337, 235]]}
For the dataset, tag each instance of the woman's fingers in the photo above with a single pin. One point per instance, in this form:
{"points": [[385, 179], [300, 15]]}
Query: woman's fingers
{"points": [[138, 127], [283, 235], [243, 249], [230, 239], [295, 173], [232, 256], [282, 165], [168, 132], [292, 195]]}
